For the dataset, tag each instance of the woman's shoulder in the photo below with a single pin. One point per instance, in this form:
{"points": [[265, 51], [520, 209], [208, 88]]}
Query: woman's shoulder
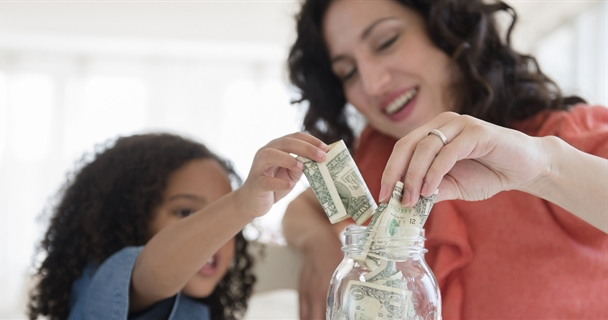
{"points": [[579, 119], [585, 127]]}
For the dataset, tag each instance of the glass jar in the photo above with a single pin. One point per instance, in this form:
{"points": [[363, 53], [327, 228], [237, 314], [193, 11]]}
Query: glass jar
{"points": [[383, 278]]}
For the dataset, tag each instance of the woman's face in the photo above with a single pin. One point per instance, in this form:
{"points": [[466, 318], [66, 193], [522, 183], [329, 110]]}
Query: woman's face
{"points": [[390, 70], [195, 185]]}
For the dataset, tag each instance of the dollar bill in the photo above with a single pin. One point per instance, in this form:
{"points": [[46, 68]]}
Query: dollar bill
{"points": [[391, 225], [339, 186], [385, 269], [368, 301]]}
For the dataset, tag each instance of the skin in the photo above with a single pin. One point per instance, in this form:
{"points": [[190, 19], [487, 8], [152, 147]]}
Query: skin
{"points": [[171, 261], [379, 49], [189, 189]]}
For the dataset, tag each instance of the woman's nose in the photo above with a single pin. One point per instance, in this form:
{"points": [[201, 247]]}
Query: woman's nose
{"points": [[374, 75]]}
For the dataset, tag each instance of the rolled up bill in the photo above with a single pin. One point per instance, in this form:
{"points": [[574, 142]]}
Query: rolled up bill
{"points": [[339, 186], [391, 223]]}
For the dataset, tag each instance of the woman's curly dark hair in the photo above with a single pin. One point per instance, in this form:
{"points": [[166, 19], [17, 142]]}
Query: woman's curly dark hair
{"points": [[496, 84], [108, 204]]}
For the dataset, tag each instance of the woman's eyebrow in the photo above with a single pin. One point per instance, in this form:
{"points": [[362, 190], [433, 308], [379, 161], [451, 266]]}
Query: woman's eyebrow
{"points": [[369, 29], [364, 35], [186, 196]]}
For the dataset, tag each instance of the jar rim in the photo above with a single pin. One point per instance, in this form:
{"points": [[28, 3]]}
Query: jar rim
{"points": [[356, 229]]}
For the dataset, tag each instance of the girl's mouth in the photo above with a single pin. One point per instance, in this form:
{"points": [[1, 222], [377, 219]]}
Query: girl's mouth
{"points": [[401, 102], [210, 267]]}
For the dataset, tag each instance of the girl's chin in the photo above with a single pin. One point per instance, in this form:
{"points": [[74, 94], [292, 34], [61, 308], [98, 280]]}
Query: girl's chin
{"points": [[199, 288]]}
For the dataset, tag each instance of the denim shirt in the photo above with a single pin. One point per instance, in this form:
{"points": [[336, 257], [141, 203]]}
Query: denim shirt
{"points": [[103, 293]]}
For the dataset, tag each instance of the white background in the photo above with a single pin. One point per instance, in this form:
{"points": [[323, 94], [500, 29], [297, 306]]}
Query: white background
{"points": [[74, 74]]}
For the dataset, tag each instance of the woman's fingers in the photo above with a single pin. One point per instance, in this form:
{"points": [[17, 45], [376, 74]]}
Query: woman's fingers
{"points": [[460, 148], [425, 153], [404, 149]]}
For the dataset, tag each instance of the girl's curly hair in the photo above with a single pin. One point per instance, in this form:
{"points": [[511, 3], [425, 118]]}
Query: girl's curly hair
{"points": [[496, 84], [108, 204]]}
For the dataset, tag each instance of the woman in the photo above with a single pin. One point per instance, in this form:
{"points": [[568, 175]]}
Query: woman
{"points": [[452, 106]]}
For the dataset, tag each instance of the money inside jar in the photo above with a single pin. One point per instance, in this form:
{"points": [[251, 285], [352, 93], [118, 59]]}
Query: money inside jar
{"points": [[342, 192]]}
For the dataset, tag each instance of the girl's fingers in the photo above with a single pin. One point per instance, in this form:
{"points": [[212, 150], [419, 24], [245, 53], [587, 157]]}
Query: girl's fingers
{"points": [[301, 144], [422, 159], [266, 183], [310, 139], [267, 158]]}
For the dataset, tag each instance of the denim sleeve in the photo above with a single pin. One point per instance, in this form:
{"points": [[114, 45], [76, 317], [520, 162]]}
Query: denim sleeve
{"points": [[103, 294], [106, 295]]}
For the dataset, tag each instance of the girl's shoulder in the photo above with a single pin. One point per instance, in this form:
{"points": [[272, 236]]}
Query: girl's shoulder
{"points": [[102, 292]]}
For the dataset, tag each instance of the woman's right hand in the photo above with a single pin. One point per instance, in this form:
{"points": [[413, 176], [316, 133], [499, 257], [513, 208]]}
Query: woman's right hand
{"points": [[321, 255]]}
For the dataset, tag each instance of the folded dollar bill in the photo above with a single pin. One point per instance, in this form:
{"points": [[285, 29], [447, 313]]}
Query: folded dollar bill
{"points": [[339, 186], [370, 301], [390, 223]]}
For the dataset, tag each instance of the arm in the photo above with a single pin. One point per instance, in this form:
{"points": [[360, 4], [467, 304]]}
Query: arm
{"points": [[178, 251], [482, 159], [574, 180], [305, 219], [307, 228]]}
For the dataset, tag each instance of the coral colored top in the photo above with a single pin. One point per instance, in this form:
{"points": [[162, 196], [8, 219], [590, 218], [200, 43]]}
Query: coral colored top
{"points": [[514, 256]]}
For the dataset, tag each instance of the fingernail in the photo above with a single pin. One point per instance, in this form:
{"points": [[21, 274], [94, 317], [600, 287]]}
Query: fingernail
{"points": [[321, 155], [383, 193], [425, 189], [300, 165], [406, 197], [324, 146]]}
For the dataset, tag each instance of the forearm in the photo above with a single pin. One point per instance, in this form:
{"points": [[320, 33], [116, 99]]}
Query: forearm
{"points": [[179, 250], [305, 223], [576, 181]]}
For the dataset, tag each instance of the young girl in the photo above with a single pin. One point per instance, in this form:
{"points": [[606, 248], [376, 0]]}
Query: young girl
{"points": [[151, 229]]}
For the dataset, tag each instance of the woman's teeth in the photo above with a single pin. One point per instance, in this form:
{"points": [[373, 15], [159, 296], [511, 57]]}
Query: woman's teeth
{"points": [[401, 101], [211, 261]]}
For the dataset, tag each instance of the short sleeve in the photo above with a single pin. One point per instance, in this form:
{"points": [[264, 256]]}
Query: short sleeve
{"points": [[104, 294]]}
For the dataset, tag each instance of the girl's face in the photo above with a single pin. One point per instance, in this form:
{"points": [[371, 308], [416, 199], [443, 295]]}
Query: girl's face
{"points": [[390, 70], [195, 185]]}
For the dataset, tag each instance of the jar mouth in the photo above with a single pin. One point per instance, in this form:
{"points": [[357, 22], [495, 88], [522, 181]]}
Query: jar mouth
{"points": [[402, 240], [402, 232]]}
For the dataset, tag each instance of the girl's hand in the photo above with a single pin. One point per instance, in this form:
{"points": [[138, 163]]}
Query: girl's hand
{"points": [[275, 171], [479, 160]]}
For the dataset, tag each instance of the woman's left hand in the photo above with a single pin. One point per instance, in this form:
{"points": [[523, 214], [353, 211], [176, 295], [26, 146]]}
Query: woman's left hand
{"points": [[479, 160]]}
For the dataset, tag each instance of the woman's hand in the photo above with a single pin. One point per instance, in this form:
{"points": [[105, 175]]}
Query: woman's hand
{"points": [[275, 171], [479, 160]]}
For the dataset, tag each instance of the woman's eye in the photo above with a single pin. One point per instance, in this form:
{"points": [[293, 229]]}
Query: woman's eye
{"points": [[348, 75], [184, 212], [386, 44]]}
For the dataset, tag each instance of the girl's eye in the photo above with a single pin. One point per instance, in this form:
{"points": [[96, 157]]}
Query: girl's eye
{"points": [[386, 44], [184, 212]]}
